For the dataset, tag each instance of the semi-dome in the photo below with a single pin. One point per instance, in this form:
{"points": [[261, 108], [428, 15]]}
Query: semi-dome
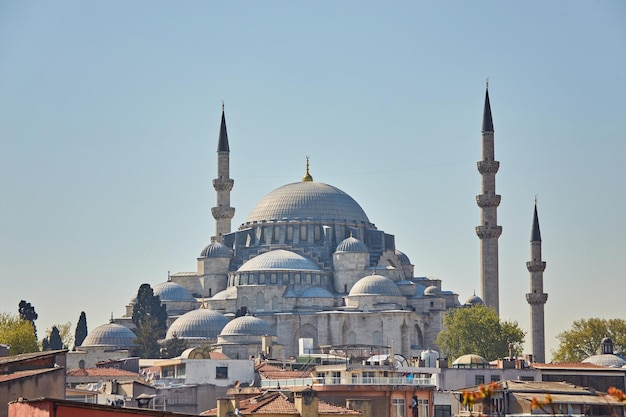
{"points": [[171, 291], [215, 250], [110, 334], [375, 285], [247, 326], [307, 200], [404, 260], [279, 259], [352, 244], [432, 290], [201, 323], [470, 361]]}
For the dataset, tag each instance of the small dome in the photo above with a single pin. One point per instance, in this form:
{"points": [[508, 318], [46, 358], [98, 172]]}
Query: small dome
{"points": [[608, 360], [352, 244], [404, 260], [227, 294], [110, 334], [470, 361], [432, 290], [375, 285], [171, 291], [247, 326], [317, 292], [279, 259], [215, 250], [202, 323], [473, 300]]}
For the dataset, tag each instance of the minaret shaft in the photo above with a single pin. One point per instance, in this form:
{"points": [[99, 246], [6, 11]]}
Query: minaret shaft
{"points": [[536, 297], [488, 231], [223, 213]]}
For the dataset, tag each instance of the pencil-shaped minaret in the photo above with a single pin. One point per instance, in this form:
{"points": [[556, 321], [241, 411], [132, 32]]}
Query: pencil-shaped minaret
{"points": [[223, 213], [536, 297]]}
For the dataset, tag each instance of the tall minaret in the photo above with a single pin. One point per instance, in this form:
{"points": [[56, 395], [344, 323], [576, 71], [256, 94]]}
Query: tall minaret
{"points": [[488, 231], [223, 213], [536, 298]]}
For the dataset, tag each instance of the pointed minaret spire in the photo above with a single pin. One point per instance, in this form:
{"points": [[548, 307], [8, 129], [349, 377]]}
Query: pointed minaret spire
{"points": [[536, 297], [488, 232], [223, 212]]}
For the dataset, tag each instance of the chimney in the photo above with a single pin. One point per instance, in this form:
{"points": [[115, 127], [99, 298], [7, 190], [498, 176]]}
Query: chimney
{"points": [[305, 402], [442, 363], [226, 406]]}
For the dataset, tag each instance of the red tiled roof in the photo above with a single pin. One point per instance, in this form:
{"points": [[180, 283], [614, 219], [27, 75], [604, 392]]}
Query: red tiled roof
{"points": [[568, 365], [24, 374], [100, 372], [268, 371], [218, 355]]}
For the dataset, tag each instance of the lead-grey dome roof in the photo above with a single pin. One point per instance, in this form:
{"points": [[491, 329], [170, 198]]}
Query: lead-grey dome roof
{"points": [[279, 259], [215, 250], [171, 291], [351, 244], [404, 260], [473, 300], [202, 323], [110, 334], [432, 290], [247, 326], [307, 200], [375, 285], [607, 359]]}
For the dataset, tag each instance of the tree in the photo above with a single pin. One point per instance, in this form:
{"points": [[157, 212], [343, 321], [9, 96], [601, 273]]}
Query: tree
{"points": [[173, 347], [150, 319], [18, 333], [81, 330], [478, 330], [27, 312], [584, 337]]}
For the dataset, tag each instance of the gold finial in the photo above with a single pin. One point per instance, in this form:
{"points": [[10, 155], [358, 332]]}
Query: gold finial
{"points": [[307, 177]]}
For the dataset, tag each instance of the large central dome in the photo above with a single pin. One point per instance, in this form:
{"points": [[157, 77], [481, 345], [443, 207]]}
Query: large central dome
{"points": [[308, 200]]}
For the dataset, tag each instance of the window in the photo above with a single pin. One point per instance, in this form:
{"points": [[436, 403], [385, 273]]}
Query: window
{"points": [[336, 377], [262, 279], [422, 408], [289, 233], [221, 372], [181, 371], [273, 279], [355, 378], [368, 377], [495, 378], [302, 233], [479, 379], [397, 407], [443, 411]]}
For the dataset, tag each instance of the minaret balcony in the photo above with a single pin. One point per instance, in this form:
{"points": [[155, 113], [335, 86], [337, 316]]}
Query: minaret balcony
{"points": [[223, 212], [536, 266], [488, 232], [488, 200], [488, 167], [536, 298], [223, 184]]}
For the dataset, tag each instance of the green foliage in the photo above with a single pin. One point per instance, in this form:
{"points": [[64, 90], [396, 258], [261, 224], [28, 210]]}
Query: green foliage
{"points": [[17, 333], [173, 347], [27, 312], [58, 337], [150, 318], [478, 330], [584, 337], [81, 329]]}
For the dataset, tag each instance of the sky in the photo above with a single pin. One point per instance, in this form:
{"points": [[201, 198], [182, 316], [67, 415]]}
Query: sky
{"points": [[110, 112]]}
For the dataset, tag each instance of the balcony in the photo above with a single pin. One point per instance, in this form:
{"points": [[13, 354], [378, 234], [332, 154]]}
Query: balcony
{"points": [[346, 380]]}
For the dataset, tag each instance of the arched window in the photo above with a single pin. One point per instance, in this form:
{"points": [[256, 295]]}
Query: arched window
{"points": [[377, 338], [275, 304], [351, 338], [260, 301], [262, 279], [244, 301], [273, 279]]}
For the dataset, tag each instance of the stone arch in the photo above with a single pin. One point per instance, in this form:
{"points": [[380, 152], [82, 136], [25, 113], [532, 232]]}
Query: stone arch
{"points": [[377, 338], [305, 331], [344, 333], [417, 337], [275, 303], [351, 338], [404, 339], [260, 301], [245, 302]]}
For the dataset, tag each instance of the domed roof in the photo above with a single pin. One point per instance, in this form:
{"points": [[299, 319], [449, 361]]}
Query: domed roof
{"points": [[375, 285], [352, 244], [307, 200], [470, 361], [247, 326], [279, 259], [200, 323], [404, 260], [171, 291], [110, 334], [215, 250], [432, 290], [606, 359], [473, 300]]}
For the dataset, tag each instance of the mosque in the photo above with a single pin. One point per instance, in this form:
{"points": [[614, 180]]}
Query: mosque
{"points": [[308, 263]]}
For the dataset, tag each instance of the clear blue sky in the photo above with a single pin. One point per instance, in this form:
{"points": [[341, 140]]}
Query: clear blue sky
{"points": [[109, 116]]}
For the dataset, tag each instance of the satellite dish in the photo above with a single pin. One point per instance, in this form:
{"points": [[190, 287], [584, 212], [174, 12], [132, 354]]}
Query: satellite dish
{"points": [[99, 385]]}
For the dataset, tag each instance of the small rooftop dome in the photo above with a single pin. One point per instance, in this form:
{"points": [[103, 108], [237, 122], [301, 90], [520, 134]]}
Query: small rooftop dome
{"points": [[473, 300], [470, 361], [352, 244], [171, 291], [201, 323], [279, 259], [215, 250], [375, 285], [110, 334], [247, 326], [432, 290]]}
